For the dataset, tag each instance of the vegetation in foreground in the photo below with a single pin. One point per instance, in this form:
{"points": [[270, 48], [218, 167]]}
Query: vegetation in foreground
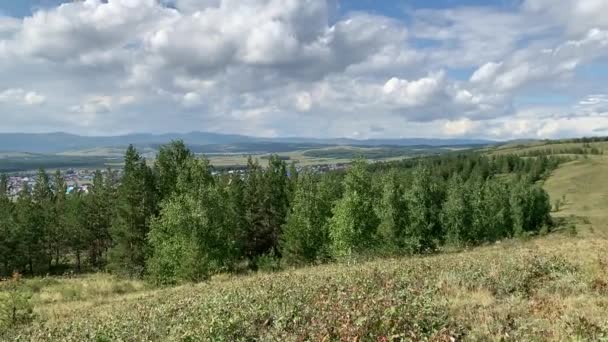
{"points": [[547, 289]]}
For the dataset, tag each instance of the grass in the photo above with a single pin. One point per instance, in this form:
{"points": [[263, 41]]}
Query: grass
{"points": [[541, 146], [582, 186], [544, 289], [308, 157], [549, 288]]}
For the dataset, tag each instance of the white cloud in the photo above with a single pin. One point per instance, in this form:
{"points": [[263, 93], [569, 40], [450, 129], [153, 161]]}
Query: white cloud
{"points": [[303, 102], [577, 16], [485, 72], [19, 96], [459, 127], [94, 105], [259, 66], [33, 98], [191, 99], [414, 93]]}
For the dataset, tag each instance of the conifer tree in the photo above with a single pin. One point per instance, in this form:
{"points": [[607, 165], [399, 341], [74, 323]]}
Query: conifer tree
{"points": [[456, 214], [43, 214], [75, 220], [276, 198], [97, 207], [8, 251], [265, 203], [29, 233], [136, 205], [58, 231]]}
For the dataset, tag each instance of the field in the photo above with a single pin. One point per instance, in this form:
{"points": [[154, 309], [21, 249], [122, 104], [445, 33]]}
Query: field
{"points": [[329, 155], [552, 287], [234, 155], [15, 162]]}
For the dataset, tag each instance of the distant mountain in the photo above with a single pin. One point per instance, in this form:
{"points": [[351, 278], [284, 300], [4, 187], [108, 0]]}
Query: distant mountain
{"points": [[62, 142]]}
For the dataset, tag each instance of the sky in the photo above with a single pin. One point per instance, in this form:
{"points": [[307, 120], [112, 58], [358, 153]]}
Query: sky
{"points": [[501, 69]]}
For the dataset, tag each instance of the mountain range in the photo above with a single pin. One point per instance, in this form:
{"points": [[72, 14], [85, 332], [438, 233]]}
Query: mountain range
{"points": [[61, 142]]}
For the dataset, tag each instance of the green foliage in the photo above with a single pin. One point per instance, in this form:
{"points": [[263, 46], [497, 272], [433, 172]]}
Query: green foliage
{"points": [[479, 295], [457, 213], [8, 232], [178, 222], [305, 236], [136, 204], [15, 305], [393, 212], [352, 228], [94, 226], [191, 239], [169, 162], [266, 204], [424, 203]]}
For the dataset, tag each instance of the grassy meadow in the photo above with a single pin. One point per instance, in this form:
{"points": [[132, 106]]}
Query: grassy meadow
{"points": [[547, 288]]}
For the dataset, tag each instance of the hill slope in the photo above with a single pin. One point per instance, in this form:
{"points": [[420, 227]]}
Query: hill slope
{"points": [[548, 288]]}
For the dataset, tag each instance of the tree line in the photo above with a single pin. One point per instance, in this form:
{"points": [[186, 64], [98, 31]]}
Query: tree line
{"points": [[174, 221]]}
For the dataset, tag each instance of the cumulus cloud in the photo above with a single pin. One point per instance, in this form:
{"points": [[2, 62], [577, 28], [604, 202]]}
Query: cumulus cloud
{"points": [[414, 93], [259, 66]]}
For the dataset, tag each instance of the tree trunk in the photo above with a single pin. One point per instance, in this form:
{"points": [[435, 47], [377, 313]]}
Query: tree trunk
{"points": [[78, 261]]}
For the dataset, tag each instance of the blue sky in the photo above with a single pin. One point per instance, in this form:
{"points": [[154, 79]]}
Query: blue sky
{"points": [[496, 69], [21, 8], [397, 9]]}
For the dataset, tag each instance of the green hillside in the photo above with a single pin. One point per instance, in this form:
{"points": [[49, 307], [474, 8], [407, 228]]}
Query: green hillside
{"points": [[551, 288]]}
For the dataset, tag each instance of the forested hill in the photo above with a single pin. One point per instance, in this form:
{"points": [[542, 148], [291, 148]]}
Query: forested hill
{"points": [[62, 142], [115, 250], [174, 222]]}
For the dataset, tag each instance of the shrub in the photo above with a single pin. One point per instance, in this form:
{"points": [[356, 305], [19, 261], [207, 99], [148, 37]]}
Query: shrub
{"points": [[15, 304]]}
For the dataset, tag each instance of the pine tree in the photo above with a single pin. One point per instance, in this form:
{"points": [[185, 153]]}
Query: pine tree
{"points": [[456, 213], [276, 198], [7, 229], [43, 212], [58, 231], [76, 226], [260, 223], [136, 205], [233, 196], [29, 233], [97, 210]]}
